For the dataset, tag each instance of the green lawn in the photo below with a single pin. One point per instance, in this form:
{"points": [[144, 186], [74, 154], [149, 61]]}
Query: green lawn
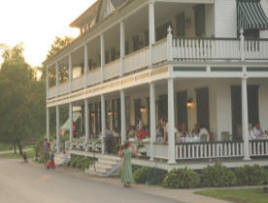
{"points": [[238, 195], [30, 154]]}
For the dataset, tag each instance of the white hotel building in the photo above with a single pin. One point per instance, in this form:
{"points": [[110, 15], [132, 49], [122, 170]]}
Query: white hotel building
{"points": [[148, 58]]}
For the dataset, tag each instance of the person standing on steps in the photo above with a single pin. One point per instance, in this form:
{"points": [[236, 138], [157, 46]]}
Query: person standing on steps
{"points": [[126, 168]]}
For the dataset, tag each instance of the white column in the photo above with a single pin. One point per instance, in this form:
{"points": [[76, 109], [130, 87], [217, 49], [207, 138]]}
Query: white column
{"points": [[57, 129], [245, 118], [151, 29], [86, 121], [122, 47], [103, 123], [85, 64], [102, 57], [152, 120], [242, 41], [70, 72], [169, 45], [71, 122], [171, 122], [57, 78], [47, 124], [123, 116]]}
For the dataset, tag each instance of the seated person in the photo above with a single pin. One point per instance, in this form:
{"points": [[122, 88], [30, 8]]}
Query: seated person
{"points": [[257, 131], [204, 134], [159, 132], [251, 133], [183, 130], [131, 132], [196, 130], [143, 134]]}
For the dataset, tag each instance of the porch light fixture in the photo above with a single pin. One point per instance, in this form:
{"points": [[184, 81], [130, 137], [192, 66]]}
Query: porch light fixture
{"points": [[190, 103], [92, 114], [143, 109], [110, 113]]}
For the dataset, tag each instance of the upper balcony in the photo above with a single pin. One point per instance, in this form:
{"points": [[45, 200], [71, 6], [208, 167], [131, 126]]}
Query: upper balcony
{"points": [[192, 39]]}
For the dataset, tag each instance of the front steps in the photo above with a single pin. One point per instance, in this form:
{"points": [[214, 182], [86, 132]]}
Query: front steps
{"points": [[106, 166]]}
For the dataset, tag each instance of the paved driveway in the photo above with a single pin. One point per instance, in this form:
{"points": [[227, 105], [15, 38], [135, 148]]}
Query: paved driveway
{"points": [[24, 183]]}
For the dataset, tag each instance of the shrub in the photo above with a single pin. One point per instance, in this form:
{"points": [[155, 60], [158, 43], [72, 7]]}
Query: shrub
{"points": [[140, 175], [250, 175], [181, 178], [217, 176], [155, 176]]}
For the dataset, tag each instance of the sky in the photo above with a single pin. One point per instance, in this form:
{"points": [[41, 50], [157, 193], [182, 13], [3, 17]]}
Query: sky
{"points": [[36, 23]]}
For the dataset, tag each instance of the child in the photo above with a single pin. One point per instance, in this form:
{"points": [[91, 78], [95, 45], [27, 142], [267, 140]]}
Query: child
{"points": [[51, 163], [25, 159]]}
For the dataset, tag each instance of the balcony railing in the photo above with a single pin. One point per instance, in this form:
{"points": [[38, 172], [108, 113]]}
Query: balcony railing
{"points": [[219, 49], [204, 49], [136, 60], [112, 70]]}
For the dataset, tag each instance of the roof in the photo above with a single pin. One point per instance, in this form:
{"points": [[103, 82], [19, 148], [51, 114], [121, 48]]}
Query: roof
{"points": [[93, 12]]}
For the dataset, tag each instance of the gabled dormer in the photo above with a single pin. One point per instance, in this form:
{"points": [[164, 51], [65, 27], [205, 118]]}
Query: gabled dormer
{"points": [[95, 13]]}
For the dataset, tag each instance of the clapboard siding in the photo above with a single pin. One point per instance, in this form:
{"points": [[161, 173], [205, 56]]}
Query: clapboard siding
{"points": [[225, 18]]}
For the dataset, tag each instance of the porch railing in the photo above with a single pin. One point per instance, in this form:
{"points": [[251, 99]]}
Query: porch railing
{"points": [[160, 51], [219, 49], [78, 83], [205, 150], [112, 70], [136, 60], [94, 76], [258, 148]]}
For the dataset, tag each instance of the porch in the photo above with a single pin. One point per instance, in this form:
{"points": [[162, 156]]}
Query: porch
{"points": [[213, 103]]}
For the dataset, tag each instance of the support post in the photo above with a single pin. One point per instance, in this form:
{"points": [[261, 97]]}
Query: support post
{"points": [[123, 116], [85, 65], [71, 122], [103, 123], [47, 124], [171, 122], [151, 29], [242, 42], [102, 57], [245, 118], [122, 47], [152, 120], [70, 72], [169, 44], [57, 129], [86, 121], [57, 78]]}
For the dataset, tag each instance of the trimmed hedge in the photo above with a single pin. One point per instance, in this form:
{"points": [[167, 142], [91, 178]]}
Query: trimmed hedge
{"points": [[251, 175], [181, 178], [140, 175], [155, 176], [217, 176]]}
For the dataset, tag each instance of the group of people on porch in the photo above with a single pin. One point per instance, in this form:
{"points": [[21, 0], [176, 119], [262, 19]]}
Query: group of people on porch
{"points": [[256, 132], [198, 133]]}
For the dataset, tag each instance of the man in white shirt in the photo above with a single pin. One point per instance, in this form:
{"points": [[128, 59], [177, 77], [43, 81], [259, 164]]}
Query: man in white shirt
{"points": [[257, 131]]}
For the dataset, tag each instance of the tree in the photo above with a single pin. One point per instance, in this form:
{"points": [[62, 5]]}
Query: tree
{"points": [[58, 44], [22, 99]]}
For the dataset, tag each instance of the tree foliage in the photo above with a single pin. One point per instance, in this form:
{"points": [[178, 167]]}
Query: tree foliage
{"points": [[22, 99], [58, 44]]}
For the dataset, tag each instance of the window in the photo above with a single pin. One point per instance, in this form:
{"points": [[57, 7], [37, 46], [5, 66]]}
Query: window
{"points": [[200, 20], [252, 34], [180, 25]]}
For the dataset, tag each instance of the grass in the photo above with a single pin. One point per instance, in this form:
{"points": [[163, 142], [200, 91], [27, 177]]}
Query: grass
{"points": [[30, 154], [238, 195]]}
